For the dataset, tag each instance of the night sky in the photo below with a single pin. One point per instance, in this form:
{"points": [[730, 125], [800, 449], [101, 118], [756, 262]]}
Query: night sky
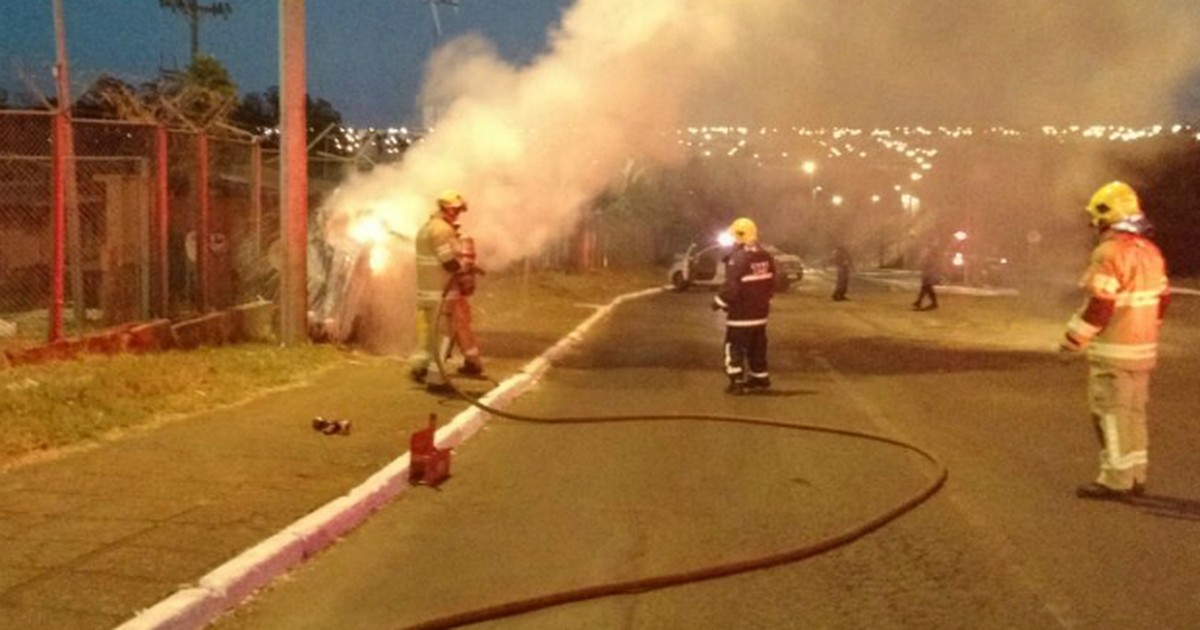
{"points": [[364, 56]]}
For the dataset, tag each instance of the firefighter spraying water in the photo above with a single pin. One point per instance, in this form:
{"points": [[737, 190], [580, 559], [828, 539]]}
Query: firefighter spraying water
{"points": [[446, 272]]}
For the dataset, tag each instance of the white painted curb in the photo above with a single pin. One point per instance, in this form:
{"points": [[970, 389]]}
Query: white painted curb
{"points": [[222, 589], [953, 289]]}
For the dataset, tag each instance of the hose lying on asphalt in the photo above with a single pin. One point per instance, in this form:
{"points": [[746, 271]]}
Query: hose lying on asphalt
{"points": [[640, 585]]}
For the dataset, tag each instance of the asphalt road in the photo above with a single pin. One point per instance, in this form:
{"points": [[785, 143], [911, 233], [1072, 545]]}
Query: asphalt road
{"points": [[535, 509]]}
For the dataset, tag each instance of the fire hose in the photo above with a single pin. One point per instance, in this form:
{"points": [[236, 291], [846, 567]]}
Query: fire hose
{"points": [[640, 585]]}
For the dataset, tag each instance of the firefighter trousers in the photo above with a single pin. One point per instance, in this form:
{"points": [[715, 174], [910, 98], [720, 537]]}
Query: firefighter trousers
{"points": [[1117, 399], [462, 334], [430, 343], [746, 352]]}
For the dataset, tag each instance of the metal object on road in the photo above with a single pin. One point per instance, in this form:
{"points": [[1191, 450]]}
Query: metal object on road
{"points": [[331, 427], [429, 465]]}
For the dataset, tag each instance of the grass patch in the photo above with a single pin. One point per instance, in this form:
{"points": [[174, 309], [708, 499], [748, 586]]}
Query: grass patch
{"points": [[55, 405], [58, 404]]}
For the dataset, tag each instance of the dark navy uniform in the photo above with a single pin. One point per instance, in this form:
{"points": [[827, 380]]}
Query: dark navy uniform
{"points": [[746, 298]]}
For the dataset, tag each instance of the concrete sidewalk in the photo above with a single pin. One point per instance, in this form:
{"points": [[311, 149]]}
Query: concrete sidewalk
{"points": [[167, 527], [91, 537]]}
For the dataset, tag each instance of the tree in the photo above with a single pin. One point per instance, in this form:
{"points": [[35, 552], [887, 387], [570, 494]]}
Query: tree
{"points": [[259, 111], [200, 97], [204, 95], [109, 98]]}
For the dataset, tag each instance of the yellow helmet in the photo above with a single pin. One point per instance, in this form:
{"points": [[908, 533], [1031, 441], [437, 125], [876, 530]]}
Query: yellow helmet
{"points": [[1113, 203], [744, 231], [451, 199]]}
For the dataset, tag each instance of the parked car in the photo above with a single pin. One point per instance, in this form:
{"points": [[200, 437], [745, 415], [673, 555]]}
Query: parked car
{"points": [[988, 271], [704, 266]]}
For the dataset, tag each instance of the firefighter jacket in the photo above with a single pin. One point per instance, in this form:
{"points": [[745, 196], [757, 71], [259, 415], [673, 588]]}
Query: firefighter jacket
{"points": [[437, 244], [1128, 294], [749, 286]]}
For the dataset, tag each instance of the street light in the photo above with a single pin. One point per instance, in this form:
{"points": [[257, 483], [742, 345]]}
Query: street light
{"points": [[960, 258], [836, 200], [810, 168]]}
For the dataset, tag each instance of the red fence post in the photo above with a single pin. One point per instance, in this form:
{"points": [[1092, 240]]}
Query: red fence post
{"points": [[162, 198], [256, 188], [202, 251], [62, 127]]}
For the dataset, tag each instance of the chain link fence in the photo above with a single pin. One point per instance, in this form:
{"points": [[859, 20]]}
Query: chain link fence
{"points": [[159, 223], [26, 224], [109, 244]]}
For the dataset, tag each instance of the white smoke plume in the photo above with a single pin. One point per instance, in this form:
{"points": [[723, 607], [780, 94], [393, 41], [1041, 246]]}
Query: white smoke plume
{"points": [[531, 146]]}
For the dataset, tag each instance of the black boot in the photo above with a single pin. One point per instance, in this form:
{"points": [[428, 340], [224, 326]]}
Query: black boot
{"points": [[418, 375], [472, 369], [758, 382]]}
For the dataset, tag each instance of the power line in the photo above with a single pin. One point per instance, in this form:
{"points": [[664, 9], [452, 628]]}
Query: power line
{"points": [[194, 12]]}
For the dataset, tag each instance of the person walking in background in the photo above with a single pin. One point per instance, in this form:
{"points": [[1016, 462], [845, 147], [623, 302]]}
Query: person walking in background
{"points": [[843, 264], [931, 275], [1118, 326], [746, 299]]}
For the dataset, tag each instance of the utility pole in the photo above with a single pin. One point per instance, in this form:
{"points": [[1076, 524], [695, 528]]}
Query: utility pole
{"points": [[193, 11], [293, 174], [66, 199]]}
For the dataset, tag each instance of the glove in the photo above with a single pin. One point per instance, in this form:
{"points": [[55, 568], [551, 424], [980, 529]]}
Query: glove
{"points": [[1069, 349], [1069, 344]]}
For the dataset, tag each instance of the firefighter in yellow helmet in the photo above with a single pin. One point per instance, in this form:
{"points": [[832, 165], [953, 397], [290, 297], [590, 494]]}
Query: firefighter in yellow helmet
{"points": [[746, 299], [445, 280], [1118, 326]]}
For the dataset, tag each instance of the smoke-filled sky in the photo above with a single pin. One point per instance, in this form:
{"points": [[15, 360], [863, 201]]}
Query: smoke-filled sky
{"points": [[542, 103], [530, 145], [1024, 62]]}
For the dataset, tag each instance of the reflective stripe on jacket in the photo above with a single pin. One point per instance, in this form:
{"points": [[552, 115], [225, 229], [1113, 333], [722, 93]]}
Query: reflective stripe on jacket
{"points": [[437, 243], [1127, 286], [749, 286]]}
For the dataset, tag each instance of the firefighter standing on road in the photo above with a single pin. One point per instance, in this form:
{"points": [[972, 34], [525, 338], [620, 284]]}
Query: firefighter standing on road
{"points": [[1119, 324], [746, 299], [445, 279]]}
